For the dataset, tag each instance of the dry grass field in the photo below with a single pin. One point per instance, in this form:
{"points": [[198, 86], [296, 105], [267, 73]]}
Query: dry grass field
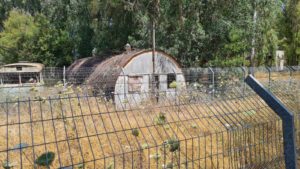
{"points": [[278, 75], [192, 130], [87, 132]]}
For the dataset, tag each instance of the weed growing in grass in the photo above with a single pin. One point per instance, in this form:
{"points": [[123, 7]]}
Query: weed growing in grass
{"points": [[145, 146], [111, 166], [194, 126], [135, 132], [161, 119], [80, 166], [156, 156], [45, 159], [168, 166], [173, 144], [8, 165]]}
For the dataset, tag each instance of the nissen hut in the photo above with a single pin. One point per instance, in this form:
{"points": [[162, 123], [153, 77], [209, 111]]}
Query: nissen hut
{"points": [[130, 76]]}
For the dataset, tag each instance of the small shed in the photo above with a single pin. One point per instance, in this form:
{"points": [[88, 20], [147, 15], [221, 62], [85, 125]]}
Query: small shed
{"points": [[125, 76], [23, 73]]}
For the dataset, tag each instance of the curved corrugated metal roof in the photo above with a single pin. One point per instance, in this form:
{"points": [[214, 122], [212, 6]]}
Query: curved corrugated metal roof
{"points": [[107, 71]]}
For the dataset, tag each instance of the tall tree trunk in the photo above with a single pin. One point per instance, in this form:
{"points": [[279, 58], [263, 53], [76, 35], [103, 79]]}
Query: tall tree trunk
{"points": [[253, 50], [180, 9], [154, 15], [153, 45]]}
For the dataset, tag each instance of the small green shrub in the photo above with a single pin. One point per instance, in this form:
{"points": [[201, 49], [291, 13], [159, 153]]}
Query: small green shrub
{"points": [[135, 132], [160, 119], [173, 144], [45, 159]]}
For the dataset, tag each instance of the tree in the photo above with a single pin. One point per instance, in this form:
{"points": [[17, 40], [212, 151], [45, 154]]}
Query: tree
{"points": [[33, 39], [196, 32], [292, 31], [19, 28]]}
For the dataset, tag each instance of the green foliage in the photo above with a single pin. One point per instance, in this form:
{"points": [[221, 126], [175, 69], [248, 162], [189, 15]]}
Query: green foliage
{"points": [[290, 31], [218, 33], [233, 61], [33, 39], [19, 28]]}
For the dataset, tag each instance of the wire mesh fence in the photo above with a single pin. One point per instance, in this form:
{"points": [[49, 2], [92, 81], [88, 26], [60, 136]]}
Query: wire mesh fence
{"points": [[87, 131], [52, 81], [208, 119], [289, 92]]}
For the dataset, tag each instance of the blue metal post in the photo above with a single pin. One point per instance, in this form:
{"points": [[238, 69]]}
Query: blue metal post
{"points": [[287, 118]]}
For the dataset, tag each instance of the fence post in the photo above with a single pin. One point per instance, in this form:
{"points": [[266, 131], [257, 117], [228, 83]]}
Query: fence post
{"points": [[269, 71], [1, 80], [291, 74], [287, 118], [64, 75], [251, 70], [213, 81], [244, 77]]}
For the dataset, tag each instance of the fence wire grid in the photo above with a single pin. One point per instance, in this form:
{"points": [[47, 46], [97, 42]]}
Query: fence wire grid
{"points": [[214, 121], [235, 131]]}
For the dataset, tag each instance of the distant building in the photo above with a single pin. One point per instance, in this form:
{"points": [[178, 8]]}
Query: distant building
{"points": [[20, 74], [126, 76], [279, 60]]}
